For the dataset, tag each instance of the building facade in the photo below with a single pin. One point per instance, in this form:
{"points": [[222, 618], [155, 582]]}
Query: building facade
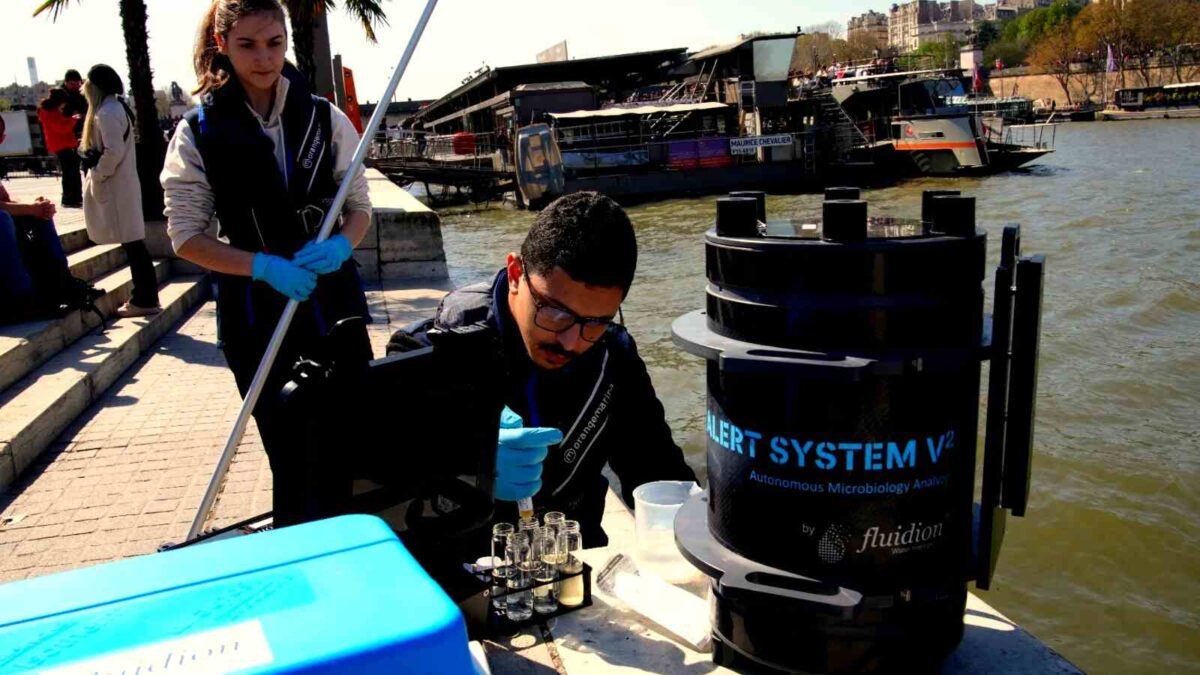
{"points": [[873, 25], [921, 22]]}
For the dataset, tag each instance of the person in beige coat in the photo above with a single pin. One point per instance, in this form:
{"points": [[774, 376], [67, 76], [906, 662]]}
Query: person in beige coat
{"points": [[112, 195]]}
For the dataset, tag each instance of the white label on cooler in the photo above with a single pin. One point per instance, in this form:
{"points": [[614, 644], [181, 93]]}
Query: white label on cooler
{"points": [[221, 650]]}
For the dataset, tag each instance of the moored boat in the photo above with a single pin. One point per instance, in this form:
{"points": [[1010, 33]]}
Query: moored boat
{"points": [[1178, 101], [916, 122]]}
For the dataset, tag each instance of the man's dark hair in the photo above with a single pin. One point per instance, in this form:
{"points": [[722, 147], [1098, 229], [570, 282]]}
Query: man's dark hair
{"points": [[72, 76], [586, 234]]}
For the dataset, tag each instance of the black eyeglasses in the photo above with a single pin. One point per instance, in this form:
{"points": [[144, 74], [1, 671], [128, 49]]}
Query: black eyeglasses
{"points": [[560, 319]]}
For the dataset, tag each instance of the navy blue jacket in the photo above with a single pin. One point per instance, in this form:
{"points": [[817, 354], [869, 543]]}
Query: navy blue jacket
{"points": [[602, 401]]}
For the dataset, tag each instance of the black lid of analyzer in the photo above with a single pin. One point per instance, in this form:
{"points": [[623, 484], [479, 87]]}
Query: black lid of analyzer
{"points": [[737, 217], [842, 193], [846, 279], [759, 197]]}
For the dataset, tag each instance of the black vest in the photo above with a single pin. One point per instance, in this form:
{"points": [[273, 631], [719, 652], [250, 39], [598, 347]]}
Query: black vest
{"points": [[262, 210], [258, 207]]}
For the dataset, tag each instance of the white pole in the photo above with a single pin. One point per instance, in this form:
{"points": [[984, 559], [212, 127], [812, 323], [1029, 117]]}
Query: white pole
{"points": [[268, 360]]}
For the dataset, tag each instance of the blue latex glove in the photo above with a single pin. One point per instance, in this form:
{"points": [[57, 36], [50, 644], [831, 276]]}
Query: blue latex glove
{"points": [[289, 279], [519, 457], [326, 256]]}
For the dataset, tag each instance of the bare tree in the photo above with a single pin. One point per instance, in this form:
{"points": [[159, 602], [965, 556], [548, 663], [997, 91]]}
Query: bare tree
{"points": [[1053, 55]]}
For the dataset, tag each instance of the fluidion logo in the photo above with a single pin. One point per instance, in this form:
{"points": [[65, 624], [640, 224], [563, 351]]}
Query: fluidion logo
{"points": [[902, 537]]}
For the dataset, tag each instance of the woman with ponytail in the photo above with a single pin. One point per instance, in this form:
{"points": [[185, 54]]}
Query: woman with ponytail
{"points": [[112, 195], [265, 156]]}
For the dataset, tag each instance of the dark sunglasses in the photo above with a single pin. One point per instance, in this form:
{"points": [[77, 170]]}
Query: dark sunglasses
{"points": [[560, 319]]}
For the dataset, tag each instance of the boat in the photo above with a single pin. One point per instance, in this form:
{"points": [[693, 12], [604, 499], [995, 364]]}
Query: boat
{"points": [[1013, 109], [915, 122], [668, 148], [1047, 110], [1176, 101]]}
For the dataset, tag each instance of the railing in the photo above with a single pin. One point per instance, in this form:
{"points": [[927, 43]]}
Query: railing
{"points": [[441, 149], [1031, 136]]}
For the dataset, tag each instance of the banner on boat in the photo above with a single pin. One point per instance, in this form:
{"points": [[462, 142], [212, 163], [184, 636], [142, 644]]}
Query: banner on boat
{"points": [[748, 144]]}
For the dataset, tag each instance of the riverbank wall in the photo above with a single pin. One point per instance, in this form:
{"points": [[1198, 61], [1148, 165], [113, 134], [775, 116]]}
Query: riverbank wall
{"points": [[1083, 85]]}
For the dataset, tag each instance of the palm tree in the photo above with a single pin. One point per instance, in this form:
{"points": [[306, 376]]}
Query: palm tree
{"points": [[306, 15], [151, 147]]}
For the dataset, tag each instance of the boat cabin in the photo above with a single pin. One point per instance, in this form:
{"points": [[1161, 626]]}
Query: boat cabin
{"points": [[1182, 95]]}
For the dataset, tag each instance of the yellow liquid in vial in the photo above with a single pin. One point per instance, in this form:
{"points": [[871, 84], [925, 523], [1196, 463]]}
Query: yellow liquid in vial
{"points": [[570, 591]]}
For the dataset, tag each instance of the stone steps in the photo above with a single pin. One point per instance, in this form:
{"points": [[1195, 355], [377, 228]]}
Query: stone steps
{"points": [[97, 260], [73, 237], [26, 346], [38, 407]]}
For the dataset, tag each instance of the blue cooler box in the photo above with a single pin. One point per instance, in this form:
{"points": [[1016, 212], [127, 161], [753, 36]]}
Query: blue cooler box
{"points": [[341, 595]]}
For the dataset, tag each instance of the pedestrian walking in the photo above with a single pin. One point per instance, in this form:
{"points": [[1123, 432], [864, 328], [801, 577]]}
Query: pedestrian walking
{"points": [[59, 132], [112, 195], [76, 104]]}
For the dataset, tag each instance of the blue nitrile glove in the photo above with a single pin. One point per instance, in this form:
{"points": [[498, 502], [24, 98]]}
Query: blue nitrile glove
{"points": [[519, 457], [289, 279], [326, 256]]}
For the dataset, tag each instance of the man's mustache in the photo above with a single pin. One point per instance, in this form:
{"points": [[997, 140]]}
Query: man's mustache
{"points": [[555, 348]]}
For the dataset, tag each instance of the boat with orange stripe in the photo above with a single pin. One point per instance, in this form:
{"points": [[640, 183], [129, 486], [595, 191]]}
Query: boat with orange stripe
{"points": [[914, 121]]}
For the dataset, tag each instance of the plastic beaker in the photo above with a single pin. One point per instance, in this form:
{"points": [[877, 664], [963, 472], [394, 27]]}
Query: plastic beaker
{"points": [[655, 505]]}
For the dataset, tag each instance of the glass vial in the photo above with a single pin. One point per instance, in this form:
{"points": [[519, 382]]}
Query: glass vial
{"points": [[570, 588], [527, 526], [545, 552], [518, 555], [500, 532], [554, 521]]}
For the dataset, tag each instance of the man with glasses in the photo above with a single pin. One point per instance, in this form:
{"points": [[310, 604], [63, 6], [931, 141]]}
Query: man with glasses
{"points": [[555, 308]]}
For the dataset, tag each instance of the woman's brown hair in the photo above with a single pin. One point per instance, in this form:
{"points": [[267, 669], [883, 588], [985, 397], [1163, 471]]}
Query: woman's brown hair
{"points": [[213, 68]]}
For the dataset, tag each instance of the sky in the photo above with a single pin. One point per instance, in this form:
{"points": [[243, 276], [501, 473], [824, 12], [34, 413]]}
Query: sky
{"points": [[462, 35]]}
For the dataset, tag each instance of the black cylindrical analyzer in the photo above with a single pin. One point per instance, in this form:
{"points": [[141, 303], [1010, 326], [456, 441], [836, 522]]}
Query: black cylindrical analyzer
{"points": [[843, 397]]}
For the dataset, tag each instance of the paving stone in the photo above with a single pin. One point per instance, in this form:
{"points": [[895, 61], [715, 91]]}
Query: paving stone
{"points": [[81, 527]]}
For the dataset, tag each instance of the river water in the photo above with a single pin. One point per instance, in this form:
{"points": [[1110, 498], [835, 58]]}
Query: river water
{"points": [[1106, 566]]}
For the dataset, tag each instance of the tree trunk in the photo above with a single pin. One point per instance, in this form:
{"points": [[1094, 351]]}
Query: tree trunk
{"points": [[1064, 81], [151, 147], [302, 43]]}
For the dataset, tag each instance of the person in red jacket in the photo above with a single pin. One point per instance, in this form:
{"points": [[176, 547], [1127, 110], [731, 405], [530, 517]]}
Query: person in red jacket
{"points": [[59, 130]]}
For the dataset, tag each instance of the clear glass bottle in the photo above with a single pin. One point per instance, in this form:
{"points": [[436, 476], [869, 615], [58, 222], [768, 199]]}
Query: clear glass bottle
{"points": [[500, 532], [545, 553], [527, 525], [554, 520], [570, 589], [518, 555]]}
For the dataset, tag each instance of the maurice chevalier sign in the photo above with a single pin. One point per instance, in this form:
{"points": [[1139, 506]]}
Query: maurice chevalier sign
{"points": [[748, 144]]}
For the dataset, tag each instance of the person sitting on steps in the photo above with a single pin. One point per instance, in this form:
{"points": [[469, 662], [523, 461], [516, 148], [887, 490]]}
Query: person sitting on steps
{"points": [[35, 281]]}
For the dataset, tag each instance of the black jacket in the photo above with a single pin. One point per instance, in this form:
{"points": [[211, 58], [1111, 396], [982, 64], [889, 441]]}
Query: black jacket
{"points": [[603, 402]]}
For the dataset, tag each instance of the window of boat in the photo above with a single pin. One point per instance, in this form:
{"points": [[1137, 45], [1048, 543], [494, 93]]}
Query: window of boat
{"points": [[915, 99], [608, 130], [942, 91]]}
